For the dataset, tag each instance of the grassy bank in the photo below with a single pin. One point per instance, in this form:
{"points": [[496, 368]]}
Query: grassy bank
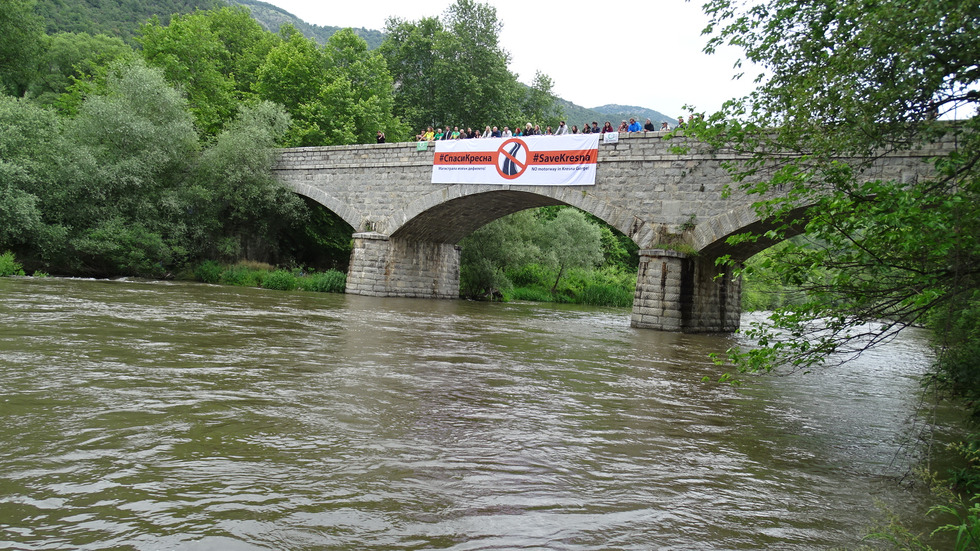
{"points": [[257, 274], [604, 287]]}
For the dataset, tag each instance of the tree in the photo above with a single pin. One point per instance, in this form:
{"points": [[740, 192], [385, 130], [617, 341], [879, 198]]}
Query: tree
{"points": [[370, 98], [31, 147], [559, 238], [189, 53], [240, 209], [489, 251], [69, 65], [571, 241], [841, 87], [410, 52], [540, 104], [21, 36], [213, 55], [452, 71], [133, 148]]}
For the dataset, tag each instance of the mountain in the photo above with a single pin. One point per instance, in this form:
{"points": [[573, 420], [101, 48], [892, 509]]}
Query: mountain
{"points": [[272, 17], [617, 113], [121, 18]]}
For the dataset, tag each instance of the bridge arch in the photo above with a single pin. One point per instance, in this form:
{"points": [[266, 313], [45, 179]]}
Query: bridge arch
{"points": [[450, 214], [709, 238], [341, 208]]}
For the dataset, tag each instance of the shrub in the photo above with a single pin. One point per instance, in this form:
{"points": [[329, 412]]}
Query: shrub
{"points": [[243, 276], [208, 272], [331, 281], [9, 266], [531, 275], [536, 294], [255, 265], [599, 294], [280, 280]]}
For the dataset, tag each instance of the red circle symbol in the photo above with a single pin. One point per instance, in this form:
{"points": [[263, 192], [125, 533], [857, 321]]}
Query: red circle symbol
{"points": [[512, 158]]}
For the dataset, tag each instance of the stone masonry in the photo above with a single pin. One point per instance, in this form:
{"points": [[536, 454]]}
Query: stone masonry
{"points": [[406, 228]]}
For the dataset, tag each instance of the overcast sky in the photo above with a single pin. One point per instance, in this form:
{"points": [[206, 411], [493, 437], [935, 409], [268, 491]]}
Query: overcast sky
{"points": [[630, 52]]}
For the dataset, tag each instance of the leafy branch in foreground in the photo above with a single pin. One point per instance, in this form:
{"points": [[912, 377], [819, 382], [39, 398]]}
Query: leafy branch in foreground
{"points": [[840, 90]]}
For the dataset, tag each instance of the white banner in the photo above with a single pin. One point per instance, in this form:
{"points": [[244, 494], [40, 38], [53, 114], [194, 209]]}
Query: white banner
{"points": [[568, 160]]}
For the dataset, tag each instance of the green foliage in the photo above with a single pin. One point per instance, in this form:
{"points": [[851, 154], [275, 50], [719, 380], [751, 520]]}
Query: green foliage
{"points": [[543, 254], [453, 71], [69, 61], [766, 286], [125, 187], [321, 240], [843, 87], [340, 94], [330, 281], [240, 209], [607, 295], [957, 330], [253, 274], [116, 247], [243, 276], [115, 18], [530, 275], [532, 294], [21, 42], [540, 104], [9, 266], [213, 55], [208, 271], [571, 241], [279, 280]]}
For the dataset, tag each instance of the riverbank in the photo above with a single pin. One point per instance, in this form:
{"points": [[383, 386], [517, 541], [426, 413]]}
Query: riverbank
{"points": [[531, 283]]}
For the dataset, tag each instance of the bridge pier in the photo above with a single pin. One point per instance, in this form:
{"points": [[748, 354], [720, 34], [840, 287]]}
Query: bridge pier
{"points": [[389, 267], [680, 292]]}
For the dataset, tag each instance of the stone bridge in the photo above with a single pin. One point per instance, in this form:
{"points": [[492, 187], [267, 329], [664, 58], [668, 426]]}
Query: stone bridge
{"points": [[672, 206]]}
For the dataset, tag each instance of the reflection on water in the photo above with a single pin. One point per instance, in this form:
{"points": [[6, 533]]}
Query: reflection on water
{"points": [[168, 415]]}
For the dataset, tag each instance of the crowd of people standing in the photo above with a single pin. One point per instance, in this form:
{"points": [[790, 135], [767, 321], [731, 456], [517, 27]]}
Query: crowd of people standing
{"points": [[455, 133]]}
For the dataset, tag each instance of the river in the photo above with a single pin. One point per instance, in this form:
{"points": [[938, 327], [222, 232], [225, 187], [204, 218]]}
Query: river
{"points": [[163, 415]]}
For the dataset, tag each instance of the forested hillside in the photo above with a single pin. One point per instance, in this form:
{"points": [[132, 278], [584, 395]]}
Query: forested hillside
{"points": [[616, 113], [272, 18], [120, 18]]}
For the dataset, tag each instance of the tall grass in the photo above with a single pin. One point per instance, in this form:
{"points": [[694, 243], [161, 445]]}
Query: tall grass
{"points": [[600, 287], [255, 274]]}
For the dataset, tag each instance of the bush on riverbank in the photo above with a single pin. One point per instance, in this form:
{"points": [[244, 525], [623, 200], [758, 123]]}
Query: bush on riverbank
{"points": [[259, 274], [9, 266], [598, 287]]}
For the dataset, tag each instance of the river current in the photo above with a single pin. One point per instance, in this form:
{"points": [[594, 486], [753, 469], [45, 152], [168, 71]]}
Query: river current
{"points": [[155, 415]]}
